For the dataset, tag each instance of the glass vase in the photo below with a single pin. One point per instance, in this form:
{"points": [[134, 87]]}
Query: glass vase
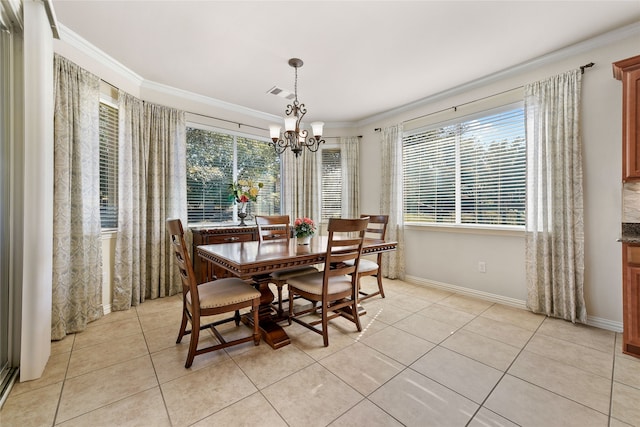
{"points": [[242, 213]]}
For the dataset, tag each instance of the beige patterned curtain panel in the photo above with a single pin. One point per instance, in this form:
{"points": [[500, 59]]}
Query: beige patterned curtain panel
{"points": [[393, 265], [555, 218], [152, 188], [77, 242]]}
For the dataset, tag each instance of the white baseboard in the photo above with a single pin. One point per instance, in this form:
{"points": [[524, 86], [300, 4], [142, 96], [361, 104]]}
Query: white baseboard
{"points": [[597, 322], [469, 292], [106, 308], [607, 324]]}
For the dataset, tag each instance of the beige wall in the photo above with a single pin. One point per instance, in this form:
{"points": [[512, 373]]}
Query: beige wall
{"points": [[450, 258]]}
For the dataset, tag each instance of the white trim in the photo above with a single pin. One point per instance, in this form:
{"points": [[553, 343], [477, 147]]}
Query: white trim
{"points": [[84, 46], [213, 102], [74, 40], [596, 322], [599, 322], [11, 16], [512, 302], [484, 229], [106, 309]]}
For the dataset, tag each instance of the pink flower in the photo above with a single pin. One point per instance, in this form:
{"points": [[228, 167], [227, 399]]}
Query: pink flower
{"points": [[304, 227], [244, 199]]}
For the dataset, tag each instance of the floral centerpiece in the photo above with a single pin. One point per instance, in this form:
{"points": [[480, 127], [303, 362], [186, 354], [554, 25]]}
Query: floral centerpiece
{"points": [[304, 229], [242, 192]]}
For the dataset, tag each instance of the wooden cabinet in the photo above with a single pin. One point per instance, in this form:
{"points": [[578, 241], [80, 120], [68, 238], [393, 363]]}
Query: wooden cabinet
{"points": [[205, 271], [628, 71], [631, 299]]}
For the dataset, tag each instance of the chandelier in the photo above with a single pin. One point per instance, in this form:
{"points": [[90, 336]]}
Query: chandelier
{"points": [[293, 136]]}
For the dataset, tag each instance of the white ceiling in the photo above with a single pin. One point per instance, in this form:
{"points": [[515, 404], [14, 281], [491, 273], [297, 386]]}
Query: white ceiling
{"points": [[361, 58]]}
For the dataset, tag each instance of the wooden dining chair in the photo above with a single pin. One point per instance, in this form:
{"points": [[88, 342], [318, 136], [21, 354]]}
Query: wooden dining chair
{"points": [[208, 299], [377, 229], [278, 227], [335, 288]]}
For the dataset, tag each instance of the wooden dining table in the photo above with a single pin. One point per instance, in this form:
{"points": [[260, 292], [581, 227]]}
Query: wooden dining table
{"points": [[254, 261]]}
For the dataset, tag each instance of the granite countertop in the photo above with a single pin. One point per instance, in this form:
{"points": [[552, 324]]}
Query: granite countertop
{"points": [[630, 233]]}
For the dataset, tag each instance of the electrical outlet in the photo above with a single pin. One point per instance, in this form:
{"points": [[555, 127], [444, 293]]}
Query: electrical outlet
{"points": [[482, 267]]}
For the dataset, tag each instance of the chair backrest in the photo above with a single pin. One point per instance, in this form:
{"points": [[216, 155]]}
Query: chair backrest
{"points": [[377, 228], [183, 260], [344, 244], [273, 227]]}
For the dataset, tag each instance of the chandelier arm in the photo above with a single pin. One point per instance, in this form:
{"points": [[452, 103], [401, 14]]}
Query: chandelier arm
{"points": [[314, 144], [279, 145]]}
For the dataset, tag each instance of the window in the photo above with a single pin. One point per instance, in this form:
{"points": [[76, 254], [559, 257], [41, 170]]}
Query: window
{"points": [[108, 166], [469, 171], [215, 160], [331, 184]]}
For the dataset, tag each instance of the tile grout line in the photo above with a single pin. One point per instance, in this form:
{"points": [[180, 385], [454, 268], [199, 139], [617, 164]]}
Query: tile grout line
{"points": [[502, 377], [408, 367], [155, 371], [64, 380]]}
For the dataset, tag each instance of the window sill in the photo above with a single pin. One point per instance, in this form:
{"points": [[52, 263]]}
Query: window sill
{"points": [[495, 230], [109, 233]]}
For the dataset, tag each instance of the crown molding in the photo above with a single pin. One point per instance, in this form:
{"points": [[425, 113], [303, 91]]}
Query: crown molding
{"points": [[74, 40], [206, 100], [577, 48], [89, 49], [11, 15]]}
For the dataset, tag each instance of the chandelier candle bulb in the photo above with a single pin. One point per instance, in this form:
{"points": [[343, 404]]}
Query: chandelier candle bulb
{"points": [[274, 132], [290, 124], [317, 128]]}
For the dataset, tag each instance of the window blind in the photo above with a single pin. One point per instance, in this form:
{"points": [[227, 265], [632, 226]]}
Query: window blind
{"points": [[210, 161], [212, 158], [108, 130], [493, 169], [257, 161], [470, 171], [331, 184]]}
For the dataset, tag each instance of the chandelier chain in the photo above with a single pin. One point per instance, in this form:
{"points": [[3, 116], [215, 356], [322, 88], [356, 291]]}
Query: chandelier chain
{"points": [[295, 85]]}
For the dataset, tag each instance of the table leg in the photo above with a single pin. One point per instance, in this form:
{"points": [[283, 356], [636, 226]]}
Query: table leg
{"points": [[272, 332]]}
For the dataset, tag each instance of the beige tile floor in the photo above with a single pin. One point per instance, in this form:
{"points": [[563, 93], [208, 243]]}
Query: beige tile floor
{"points": [[424, 357]]}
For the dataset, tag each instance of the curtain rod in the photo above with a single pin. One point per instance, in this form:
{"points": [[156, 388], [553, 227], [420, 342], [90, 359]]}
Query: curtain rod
{"points": [[251, 126], [455, 107], [225, 120]]}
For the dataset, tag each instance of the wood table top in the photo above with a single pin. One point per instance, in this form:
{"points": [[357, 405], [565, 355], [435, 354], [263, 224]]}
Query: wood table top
{"points": [[247, 259]]}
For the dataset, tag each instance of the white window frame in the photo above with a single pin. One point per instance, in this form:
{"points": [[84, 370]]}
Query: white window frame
{"points": [[104, 99], [457, 225], [235, 135]]}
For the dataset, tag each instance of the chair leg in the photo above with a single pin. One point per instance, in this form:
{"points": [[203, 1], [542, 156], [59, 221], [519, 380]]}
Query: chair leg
{"points": [[356, 316], [379, 277], [236, 317], [193, 344], [256, 322], [280, 311], [183, 325], [325, 324], [290, 305]]}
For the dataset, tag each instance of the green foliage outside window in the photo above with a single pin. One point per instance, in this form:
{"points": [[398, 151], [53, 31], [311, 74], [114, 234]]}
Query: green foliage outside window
{"points": [[210, 169]]}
